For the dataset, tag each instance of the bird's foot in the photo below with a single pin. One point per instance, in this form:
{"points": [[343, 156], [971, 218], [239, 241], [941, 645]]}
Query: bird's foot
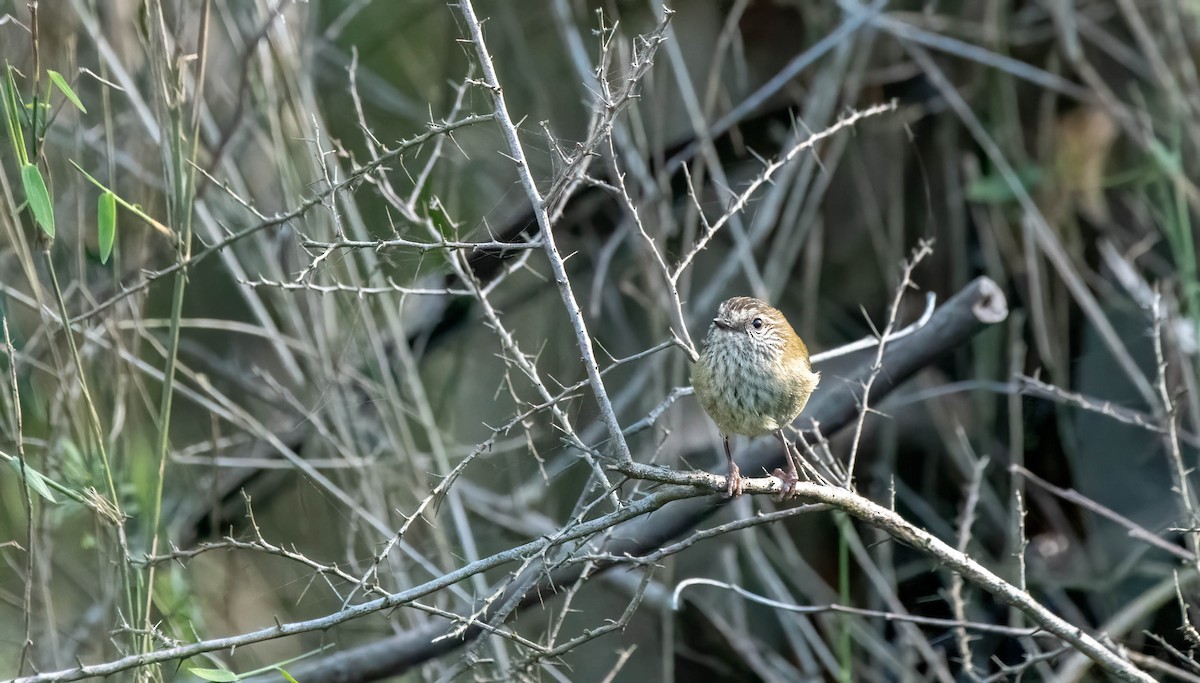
{"points": [[733, 483], [788, 481]]}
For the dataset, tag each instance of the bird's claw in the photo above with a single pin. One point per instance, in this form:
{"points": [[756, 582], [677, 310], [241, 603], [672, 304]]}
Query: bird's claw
{"points": [[787, 480], [733, 483]]}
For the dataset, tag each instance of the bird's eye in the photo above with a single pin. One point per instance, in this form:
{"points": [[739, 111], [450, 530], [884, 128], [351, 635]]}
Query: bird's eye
{"points": [[757, 323]]}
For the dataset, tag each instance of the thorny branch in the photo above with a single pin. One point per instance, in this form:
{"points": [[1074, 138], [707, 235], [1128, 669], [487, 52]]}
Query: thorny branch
{"points": [[923, 250], [265, 222]]}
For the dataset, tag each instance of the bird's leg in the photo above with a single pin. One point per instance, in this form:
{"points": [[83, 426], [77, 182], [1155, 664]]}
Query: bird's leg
{"points": [[791, 477], [733, 483]]}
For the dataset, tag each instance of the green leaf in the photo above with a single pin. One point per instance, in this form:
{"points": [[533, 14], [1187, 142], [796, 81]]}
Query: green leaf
{"points": [[62, 84], [106, 223], [12, 116], [37, 483], [213, 674], [286, 675], [39, 198], [1168, 161], [994, 189]]}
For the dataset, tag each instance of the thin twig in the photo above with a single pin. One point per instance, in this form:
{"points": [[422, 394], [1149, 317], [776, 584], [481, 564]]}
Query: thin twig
{"points": [[920, 252], [538, 203], [858, 611]]}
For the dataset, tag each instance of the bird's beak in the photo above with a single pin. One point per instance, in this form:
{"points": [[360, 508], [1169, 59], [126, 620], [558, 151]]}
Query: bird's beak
{"points": [[721, 323]]}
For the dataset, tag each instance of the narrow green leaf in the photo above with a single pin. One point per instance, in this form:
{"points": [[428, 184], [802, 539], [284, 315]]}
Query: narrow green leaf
{"points": [[37, 483], [994, 189], [106, 223], [135, 209], [62, 84], [1168, 161], [214, 674], [39, 198], [286, 675], [12, 117]]}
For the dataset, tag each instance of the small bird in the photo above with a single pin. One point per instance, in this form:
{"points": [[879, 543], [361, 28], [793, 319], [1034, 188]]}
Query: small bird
{"points": [[753, 377]]}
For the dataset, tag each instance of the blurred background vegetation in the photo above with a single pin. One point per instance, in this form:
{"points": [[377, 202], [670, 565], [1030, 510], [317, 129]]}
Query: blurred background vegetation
{"points": [[1051, 146]]}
